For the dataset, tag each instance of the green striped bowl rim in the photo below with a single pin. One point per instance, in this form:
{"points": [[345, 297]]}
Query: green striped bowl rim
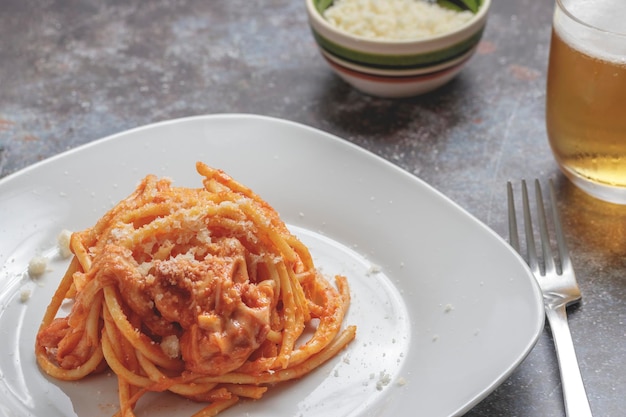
{"points": [[398, 61]]}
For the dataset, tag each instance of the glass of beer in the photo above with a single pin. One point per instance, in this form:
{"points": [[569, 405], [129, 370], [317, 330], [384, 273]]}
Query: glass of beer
{"points": [[586, 95]]}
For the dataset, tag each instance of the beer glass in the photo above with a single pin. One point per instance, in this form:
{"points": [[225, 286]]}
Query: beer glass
{"points": [[586, 95]]}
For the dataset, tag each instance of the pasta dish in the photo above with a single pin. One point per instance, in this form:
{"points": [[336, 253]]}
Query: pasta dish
{"points": [[203, 292]]}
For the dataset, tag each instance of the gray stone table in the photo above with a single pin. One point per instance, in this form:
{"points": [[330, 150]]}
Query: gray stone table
{"points": [[72, 71]]}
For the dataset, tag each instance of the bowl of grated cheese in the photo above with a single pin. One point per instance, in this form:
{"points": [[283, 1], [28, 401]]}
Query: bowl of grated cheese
{"points": [[396, 48]]}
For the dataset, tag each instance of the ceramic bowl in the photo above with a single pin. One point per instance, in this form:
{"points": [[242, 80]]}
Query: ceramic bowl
{"points": [[393, 68]]}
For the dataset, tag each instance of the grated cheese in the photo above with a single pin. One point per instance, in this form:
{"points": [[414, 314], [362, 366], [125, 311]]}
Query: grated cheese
{"points": [[394, 19], [383, 380], [63, 241], [37, 266], [25, 295], [170, 345]]}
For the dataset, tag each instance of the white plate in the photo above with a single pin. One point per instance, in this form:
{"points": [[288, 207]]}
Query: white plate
{"points": [[445, 310]]}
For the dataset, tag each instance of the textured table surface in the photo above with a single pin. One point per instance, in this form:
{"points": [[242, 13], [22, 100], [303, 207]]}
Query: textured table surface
{"points": [[75, 71]]}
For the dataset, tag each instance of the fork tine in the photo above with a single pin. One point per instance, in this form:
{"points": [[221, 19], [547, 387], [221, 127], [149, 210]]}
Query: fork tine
{"points": [[531, 248], [558, 229], [513, 236], [543, 230]]}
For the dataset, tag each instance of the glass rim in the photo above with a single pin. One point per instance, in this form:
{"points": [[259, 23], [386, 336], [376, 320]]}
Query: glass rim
{"points": [[561, 5]]}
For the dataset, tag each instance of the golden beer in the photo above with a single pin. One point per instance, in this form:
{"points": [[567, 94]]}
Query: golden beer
{"points": [[586, 111]]}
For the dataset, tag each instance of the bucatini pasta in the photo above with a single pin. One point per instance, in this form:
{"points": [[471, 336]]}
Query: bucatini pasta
{"points": [[202, 292]]}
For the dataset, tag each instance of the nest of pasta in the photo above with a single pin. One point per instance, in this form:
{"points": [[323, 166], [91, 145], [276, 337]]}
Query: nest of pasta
{"points": [[203, 292]]}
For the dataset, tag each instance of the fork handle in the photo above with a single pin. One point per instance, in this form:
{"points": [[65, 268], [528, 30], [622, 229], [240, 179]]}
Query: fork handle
{"points": [[575, 397]]}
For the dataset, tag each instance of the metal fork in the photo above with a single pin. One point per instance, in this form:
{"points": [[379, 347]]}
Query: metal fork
{"points": [[559, 288]]}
